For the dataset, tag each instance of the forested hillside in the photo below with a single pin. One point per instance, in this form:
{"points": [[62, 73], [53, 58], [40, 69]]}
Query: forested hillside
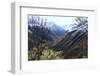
{"points": [[47, 40]]}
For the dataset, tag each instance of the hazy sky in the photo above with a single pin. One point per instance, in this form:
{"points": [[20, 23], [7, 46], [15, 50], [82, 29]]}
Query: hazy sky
{"points": [[59, 20]]}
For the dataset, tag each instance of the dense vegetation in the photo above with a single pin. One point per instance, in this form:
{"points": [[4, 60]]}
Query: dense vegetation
{"points": [[47, 44], [46, 54]]}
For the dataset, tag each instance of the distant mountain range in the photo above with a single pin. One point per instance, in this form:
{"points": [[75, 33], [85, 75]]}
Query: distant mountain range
{"points": [[56, 29]]}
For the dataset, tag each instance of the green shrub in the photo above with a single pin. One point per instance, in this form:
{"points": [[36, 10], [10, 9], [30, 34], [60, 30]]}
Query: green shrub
{"points": [[32, 54], [46, 54]]}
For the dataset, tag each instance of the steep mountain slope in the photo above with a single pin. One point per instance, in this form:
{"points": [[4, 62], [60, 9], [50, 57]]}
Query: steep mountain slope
{"points": [[50, 33], [74, 43]]}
